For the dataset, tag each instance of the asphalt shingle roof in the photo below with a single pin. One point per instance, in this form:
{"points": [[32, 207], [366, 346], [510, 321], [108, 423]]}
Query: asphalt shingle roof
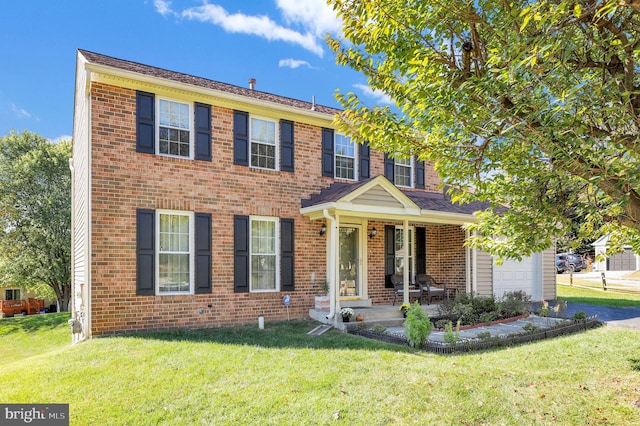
{"points": [[121, 64]]}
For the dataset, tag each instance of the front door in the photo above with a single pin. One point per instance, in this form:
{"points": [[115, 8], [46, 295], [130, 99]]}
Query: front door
{"points": [[350, 261]]}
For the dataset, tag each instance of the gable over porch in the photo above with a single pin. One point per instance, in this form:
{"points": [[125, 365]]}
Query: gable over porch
{"points": [[365, 224]]}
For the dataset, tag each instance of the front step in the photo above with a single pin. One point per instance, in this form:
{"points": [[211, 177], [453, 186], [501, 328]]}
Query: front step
{"points": [[386, 315]]}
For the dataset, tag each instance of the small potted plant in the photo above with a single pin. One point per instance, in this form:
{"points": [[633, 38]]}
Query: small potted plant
{"points": [[405, 308], [346, 313]]}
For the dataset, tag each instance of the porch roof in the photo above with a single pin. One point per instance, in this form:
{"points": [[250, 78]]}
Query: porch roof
{"points": [[378, 198]]}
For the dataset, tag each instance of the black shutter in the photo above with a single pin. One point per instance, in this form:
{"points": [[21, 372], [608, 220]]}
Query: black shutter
{"points": [[365, 161], [287, 250], [286, 146], [327, 153], [145, 122], [203, 253], [421, 250], [389, 167], [419, 174], [203, 132], [241, 138], [389, 254], [145, 252], [241, 254]]}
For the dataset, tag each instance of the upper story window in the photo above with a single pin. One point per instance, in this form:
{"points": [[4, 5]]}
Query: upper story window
{"points": [[264, 254], [403, 171], [345, 157], [174, 128], [263, 143], [175, 252]]}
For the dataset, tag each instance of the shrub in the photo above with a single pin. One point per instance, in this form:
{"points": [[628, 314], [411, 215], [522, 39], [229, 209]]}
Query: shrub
{"points": [[484, 335], [579, 316], [530, 327], [417, 326], [515, 303], [449, 335]]}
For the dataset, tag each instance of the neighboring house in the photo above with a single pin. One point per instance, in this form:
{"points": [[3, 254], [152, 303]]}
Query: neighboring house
{"points": [[198, 204], [15, 293], [625, 261]]}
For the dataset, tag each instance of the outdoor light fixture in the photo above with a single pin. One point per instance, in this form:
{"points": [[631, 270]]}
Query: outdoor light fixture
{"points": [[323, 230], [373, 232]]}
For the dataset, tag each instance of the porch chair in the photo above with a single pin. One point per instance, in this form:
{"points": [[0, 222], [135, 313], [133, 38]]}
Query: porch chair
{"points": [[398, 288], [432, 288]]}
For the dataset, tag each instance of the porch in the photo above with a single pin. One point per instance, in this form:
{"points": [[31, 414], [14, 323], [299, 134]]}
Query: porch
{"points": [[386, 315]]}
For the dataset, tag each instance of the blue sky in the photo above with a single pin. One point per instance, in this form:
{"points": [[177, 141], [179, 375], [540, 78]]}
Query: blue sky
{"points": [[280, 43]]}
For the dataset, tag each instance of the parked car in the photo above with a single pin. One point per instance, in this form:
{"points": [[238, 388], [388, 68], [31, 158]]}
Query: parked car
{"points": [[574, 262], [561, 264]]}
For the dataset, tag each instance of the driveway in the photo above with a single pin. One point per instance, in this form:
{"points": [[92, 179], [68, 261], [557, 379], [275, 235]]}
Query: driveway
{"points": [[615, 317]]}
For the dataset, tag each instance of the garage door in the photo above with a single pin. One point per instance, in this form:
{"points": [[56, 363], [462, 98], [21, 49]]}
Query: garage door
{"points": [[513, 275], [622, 261]]}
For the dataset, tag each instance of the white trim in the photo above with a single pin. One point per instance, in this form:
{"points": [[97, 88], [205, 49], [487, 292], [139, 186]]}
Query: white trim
{"points": [[411, 171], [335, 157], [410, 254], [191, 118], [191, 251], [276, 222], [276, 142]]}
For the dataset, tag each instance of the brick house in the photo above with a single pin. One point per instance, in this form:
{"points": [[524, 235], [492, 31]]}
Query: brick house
{"points": [[198, 204]]}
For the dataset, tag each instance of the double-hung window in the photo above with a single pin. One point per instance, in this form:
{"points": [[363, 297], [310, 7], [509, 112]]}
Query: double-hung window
{"points": [[263, 143], [264, 254], [12, 294], [403, 172], [399, 252], [175, 252], [345, 157], [174, 128]]}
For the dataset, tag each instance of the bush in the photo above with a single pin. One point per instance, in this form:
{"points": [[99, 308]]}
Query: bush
{"points": [[417, 326], [515, 303]]}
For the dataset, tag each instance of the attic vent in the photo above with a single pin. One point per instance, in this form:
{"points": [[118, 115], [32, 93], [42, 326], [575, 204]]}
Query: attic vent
{"points": [[252, 83], [313, 103]]}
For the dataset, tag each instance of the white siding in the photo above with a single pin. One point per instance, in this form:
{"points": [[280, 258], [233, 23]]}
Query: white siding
{"points": [[484, 273], [80, 201], [549, 274]]}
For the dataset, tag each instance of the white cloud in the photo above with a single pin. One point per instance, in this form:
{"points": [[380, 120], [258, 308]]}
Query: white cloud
{"points": [[293, 63], [314, 15], [61, 138], [261, 26], [19, 112], [163, 7], [380, 97]]}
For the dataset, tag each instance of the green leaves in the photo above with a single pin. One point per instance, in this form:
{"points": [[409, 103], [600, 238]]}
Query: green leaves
{"points": [[35, 212], [544, 105]]}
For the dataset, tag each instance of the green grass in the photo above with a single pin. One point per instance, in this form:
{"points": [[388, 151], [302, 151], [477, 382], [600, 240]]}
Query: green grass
{"points": [[282, 376], [597, 296], [23, 337]]}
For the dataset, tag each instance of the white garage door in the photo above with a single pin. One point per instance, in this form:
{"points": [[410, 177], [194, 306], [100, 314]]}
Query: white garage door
{"points": [[513, 275]]}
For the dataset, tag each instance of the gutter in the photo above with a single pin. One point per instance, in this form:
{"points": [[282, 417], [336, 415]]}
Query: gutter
{"points": [[332, 267]]}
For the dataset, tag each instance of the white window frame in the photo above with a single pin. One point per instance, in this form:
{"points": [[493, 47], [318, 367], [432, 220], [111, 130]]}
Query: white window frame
{"points": [[412, 257], [190, 129], [276, 222], [13, 291], [406, 166], [276, 142], [336, 155], [191, 251]]}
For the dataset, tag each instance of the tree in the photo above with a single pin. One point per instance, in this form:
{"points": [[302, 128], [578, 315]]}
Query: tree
{"points": [[530, 105], [35, 213]]}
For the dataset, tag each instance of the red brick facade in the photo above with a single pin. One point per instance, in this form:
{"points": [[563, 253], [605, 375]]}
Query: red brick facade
{"points": [[123, 180]]}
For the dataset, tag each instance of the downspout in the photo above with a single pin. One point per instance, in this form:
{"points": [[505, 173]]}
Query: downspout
{"points": [[331, 263]]}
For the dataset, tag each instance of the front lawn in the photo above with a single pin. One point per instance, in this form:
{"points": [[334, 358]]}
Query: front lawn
{"points": [[281, 375], [597, 296]]}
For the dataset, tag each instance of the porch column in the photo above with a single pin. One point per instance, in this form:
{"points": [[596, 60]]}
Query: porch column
{"points": [[336, 264], [467, 261], [405, 260]]}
